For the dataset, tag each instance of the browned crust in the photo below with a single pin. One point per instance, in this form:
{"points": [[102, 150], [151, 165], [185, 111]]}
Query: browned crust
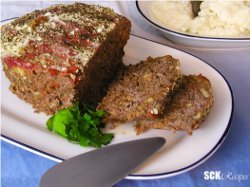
{"points": [[187, 110], [102, 14], [49, 93], [105, 64]]}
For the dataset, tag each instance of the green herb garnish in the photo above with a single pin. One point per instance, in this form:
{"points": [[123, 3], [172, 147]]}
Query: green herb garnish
{"points": [[80, 125]]}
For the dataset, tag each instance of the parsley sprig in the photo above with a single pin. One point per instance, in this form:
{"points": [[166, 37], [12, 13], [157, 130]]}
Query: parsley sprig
{"points": [[80, 124]]}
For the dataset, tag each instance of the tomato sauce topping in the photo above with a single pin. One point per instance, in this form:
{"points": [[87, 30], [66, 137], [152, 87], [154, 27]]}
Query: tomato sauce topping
{"points": [[19, 62]]}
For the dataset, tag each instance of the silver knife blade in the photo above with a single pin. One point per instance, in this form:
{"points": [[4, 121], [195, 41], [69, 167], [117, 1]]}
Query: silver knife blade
{"points": [[102, 167]]}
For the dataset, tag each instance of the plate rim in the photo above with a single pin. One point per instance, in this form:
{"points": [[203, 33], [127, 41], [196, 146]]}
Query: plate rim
{"points": [[142, 176], [184, 34]]}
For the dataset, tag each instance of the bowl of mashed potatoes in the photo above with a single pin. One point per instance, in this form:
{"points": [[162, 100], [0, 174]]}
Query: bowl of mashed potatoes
{"points": [[220, 24]]}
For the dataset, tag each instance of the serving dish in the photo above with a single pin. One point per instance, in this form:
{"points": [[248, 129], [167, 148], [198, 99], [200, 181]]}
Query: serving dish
{"points": [[24, 128], [188, 39]]}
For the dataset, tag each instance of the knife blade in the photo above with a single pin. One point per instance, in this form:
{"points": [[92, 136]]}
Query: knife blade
{"points": [[102, 167]]}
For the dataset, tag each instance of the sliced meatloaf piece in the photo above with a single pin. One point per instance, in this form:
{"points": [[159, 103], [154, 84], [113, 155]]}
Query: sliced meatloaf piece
{"points": [[187, 110], [142, 90], [62, 54]]}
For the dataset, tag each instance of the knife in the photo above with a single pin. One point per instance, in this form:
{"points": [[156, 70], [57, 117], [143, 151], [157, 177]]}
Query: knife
{"points": [[102, 167]]}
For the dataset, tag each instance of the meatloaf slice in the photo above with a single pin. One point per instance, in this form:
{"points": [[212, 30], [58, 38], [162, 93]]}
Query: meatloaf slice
{"points": [[62, 54], [142, 90], [187, 110]]}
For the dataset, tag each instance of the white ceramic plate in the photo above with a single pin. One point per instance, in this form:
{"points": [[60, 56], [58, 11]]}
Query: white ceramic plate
{"points": [[24, 128], [187, 39]]}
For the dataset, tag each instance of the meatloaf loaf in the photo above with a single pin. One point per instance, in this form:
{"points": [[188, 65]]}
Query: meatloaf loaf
{"points": [[142, 90], [188, 108], [64, 53]]}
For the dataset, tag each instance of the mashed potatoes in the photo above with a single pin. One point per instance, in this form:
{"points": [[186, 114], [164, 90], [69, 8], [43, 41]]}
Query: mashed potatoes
{"points": [[216, 18]]}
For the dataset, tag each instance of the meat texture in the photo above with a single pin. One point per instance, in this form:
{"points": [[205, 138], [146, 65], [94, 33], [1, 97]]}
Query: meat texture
{"points": [[187, 110], [142, 90], [63, 54]]}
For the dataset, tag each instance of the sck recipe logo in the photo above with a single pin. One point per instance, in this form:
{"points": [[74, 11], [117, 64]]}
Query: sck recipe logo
{"points": [[218, 175]]}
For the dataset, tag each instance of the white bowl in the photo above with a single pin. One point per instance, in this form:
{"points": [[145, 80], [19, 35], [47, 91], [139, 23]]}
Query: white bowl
{"points": [[188, 39]]}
